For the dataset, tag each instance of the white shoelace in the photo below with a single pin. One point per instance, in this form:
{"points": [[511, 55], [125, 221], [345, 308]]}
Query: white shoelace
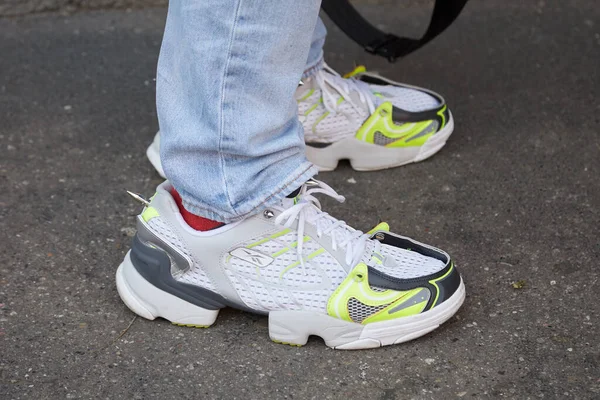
{"points": [[308, 210], [332, 86]]}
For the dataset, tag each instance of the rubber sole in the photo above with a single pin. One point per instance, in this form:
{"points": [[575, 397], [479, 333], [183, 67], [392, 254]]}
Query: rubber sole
{"points": [[371, 157], [287, 327]]}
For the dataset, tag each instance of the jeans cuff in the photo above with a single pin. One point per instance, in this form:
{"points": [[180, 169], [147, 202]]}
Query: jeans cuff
{"points": [[303, 173], [313, 69]]}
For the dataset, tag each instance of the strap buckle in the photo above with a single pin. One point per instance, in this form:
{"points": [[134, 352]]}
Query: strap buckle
{"points": [[391, 46]]}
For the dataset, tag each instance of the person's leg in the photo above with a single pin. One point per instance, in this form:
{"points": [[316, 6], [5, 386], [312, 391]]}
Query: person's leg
{"points": [[233, 142], [315, 55], [228, 69]]}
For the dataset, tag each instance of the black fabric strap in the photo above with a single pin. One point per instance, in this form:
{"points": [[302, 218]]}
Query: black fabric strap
{"points": [[387, 45]]}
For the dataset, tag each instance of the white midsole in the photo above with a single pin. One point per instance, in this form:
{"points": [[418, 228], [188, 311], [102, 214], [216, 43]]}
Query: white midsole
{"points": [[296, 326], [365, 156], [153, 154], [293, 327]]}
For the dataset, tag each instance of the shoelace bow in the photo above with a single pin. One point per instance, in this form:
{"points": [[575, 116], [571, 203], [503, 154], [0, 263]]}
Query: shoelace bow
{"points": [[308, 210], [327, 79]]}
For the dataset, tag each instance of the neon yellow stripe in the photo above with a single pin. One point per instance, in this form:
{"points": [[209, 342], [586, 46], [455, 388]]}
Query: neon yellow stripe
{"points": [[441, 114], [306, 96], [286, 269], [258, 243], [149, 213], [280, 233], [319, 120], [315, 253], [359, 69], [295, 244], [311, 109], [382, 226], [273, 236], [280, 252], [295, 264]]}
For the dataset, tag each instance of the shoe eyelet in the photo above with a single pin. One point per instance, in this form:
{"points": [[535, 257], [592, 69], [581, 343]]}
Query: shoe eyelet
{"points": [[268, 214], [383, 113], [379, 236], [359, 277]]}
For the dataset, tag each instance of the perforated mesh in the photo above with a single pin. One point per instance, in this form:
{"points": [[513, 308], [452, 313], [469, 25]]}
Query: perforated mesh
{"points": [[406, 98], [315, 300], [382, 140], [334, 126], [243, 291], [196, 275], [359, 311], [262, 294], [167, 233], [263, 288], [284, 299], [406, 264], [377, 289]]}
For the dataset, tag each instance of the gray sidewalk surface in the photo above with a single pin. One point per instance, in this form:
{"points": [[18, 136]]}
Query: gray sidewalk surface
{"points": [[22, 7], [514, 198]]}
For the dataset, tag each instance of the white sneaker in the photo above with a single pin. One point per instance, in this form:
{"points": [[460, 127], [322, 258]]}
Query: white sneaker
{"points": [[311, 273], [373, 122]]}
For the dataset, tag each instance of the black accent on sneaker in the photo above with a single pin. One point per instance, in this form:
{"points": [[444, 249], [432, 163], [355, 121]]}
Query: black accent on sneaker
{"points": [[440, 292], [318, 145], [407, 244], [294, 193], [446, 287], [442, 122], [400, 116], [155, 266], [384, 281]]}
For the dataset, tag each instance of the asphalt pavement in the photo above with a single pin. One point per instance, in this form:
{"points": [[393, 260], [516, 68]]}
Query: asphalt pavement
{"points": [[514, 197]]}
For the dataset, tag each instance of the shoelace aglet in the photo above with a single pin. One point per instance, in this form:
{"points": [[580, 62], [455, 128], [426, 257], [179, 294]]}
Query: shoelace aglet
{"points": [[139, 198]]}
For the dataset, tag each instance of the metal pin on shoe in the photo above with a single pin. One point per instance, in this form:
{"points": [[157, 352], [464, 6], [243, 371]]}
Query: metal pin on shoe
{"points": [[268, 214], [139, 198]]}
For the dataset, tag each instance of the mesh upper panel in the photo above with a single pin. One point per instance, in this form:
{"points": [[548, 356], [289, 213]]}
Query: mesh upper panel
{"points": [[406, 264], [359, 311], [334, 126], [377, 289], [275, 292], [407, 99], [382, 140], [196, 274]]}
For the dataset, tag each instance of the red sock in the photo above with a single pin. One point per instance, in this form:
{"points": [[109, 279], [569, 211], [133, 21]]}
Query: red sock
{"points": [[196, 222]]}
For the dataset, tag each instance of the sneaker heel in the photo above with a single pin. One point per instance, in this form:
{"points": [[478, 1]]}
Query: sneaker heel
{"points": [[148, 301]]}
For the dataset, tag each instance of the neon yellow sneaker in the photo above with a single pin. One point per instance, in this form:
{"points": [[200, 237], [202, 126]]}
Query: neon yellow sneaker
{"points": [[373, 122], [311, 273]]}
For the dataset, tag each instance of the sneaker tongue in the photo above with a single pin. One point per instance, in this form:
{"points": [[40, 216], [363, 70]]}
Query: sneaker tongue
{"points": [[291, 198]]}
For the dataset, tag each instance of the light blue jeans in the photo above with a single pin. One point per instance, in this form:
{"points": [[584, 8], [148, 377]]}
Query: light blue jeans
{"points": [[231, 142]]}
